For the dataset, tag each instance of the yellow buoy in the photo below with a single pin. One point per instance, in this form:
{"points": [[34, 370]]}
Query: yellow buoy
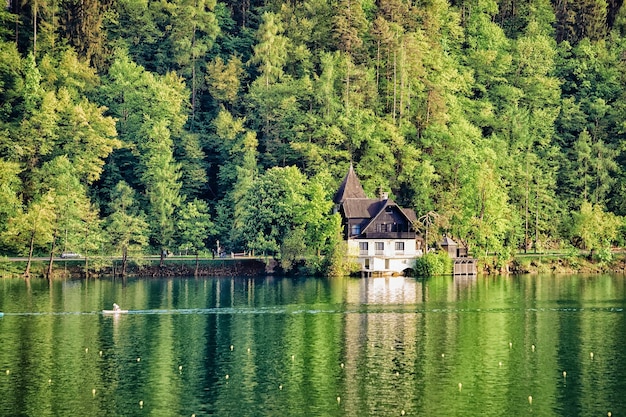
{"points": [[460, 386], [443, 355], [8, 371], [510, 345], [500, 364], [180, 368], [532, 347], [564, 374], [293, 357], [93, 392], [338, 399], [591, 355], [342, 365], [280, 387], [530, 399], [141, 403], [402, 412], [86, 350], [232, 348], [227, 376], [248, 350], [138, 359], [100, 353]]}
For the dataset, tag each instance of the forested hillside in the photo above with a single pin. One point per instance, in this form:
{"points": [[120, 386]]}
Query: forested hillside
{"points": [[132, 126]]}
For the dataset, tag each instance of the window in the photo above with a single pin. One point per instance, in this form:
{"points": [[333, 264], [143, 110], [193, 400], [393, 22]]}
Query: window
{"points": [[379, 247], [355, 229], [363, 248], [399, 247]]}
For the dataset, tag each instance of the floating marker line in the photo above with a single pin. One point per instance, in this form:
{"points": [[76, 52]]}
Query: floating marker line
{"points": [[293, 310]]}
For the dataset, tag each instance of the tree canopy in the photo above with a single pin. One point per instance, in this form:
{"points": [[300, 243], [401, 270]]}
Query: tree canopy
{"points": [[236, 121]]}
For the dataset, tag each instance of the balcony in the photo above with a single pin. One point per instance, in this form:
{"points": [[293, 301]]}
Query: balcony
{"points": [[388, 235]]}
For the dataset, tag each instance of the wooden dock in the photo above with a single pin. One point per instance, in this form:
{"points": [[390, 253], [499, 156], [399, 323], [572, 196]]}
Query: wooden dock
{"points": [[465, 266]]}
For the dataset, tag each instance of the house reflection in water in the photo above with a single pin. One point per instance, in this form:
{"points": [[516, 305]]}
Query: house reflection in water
{"points": [[386, 291]]}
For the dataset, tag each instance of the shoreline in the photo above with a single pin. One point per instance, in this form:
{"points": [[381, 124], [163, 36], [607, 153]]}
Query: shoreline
{"points": [[519, 265]]}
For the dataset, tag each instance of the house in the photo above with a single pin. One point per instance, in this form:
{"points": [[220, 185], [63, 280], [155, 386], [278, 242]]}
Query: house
{"points": [[380, 234]]}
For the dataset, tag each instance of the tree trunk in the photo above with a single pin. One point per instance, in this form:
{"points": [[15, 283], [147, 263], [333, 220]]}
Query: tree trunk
{"points": [[537, 219], [193, 77], [51, 260], [124, 258], [35, 7], [378, 65], [195, 274], [30, 255], [526, 219], [347, 85]]}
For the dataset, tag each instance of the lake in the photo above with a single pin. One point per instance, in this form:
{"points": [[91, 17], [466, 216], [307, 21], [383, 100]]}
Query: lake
{"points": [[490, 346]]}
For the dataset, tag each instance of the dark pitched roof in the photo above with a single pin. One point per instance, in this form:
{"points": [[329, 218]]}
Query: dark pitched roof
{"points": [[349, 188], [380, 207], [356, 205], [410, 214], [362, 208]]}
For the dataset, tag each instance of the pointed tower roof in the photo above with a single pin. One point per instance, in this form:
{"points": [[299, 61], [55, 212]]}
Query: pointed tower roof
{"points": [[350, 187]]}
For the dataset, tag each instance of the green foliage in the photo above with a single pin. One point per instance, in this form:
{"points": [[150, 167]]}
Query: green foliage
{"points": [[604, 256], [292, 249], [433, 263], [224, 80], [10, 203], [194, 226], [595, 228], [126, 225], [271, 209], [572, 255], [500, 116], [335, 262]]}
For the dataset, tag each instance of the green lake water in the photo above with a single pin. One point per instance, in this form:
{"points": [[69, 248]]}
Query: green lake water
{"points": [[488, 346]]}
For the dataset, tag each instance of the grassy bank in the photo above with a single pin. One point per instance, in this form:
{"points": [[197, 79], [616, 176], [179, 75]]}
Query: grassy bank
{"points": [[567, 263], [146, 267]]}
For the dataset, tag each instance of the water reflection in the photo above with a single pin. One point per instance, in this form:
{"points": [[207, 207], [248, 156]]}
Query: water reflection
{"points": [[298, 347], [384, 290]]}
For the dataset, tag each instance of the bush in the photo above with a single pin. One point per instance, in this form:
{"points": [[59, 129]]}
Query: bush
{"points": [[572, 255], [604, 256], [438, 263]]}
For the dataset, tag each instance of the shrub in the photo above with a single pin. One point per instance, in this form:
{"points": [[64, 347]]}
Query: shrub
{"points": [[604, 256], [572, 255], [438, 263]]}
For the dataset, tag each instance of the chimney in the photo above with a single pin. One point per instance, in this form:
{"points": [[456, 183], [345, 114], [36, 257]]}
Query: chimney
{"points": [[384, 196]]}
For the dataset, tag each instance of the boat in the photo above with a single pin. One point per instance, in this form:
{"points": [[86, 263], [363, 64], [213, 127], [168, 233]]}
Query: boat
{"points": [[114, 311]]}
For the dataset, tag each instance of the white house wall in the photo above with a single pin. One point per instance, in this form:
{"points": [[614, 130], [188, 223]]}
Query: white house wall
{"points": [[387, 260]]}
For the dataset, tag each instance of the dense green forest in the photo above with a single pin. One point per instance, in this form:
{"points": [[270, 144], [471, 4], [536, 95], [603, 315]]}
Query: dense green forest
{"points": [[137, 126]]}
